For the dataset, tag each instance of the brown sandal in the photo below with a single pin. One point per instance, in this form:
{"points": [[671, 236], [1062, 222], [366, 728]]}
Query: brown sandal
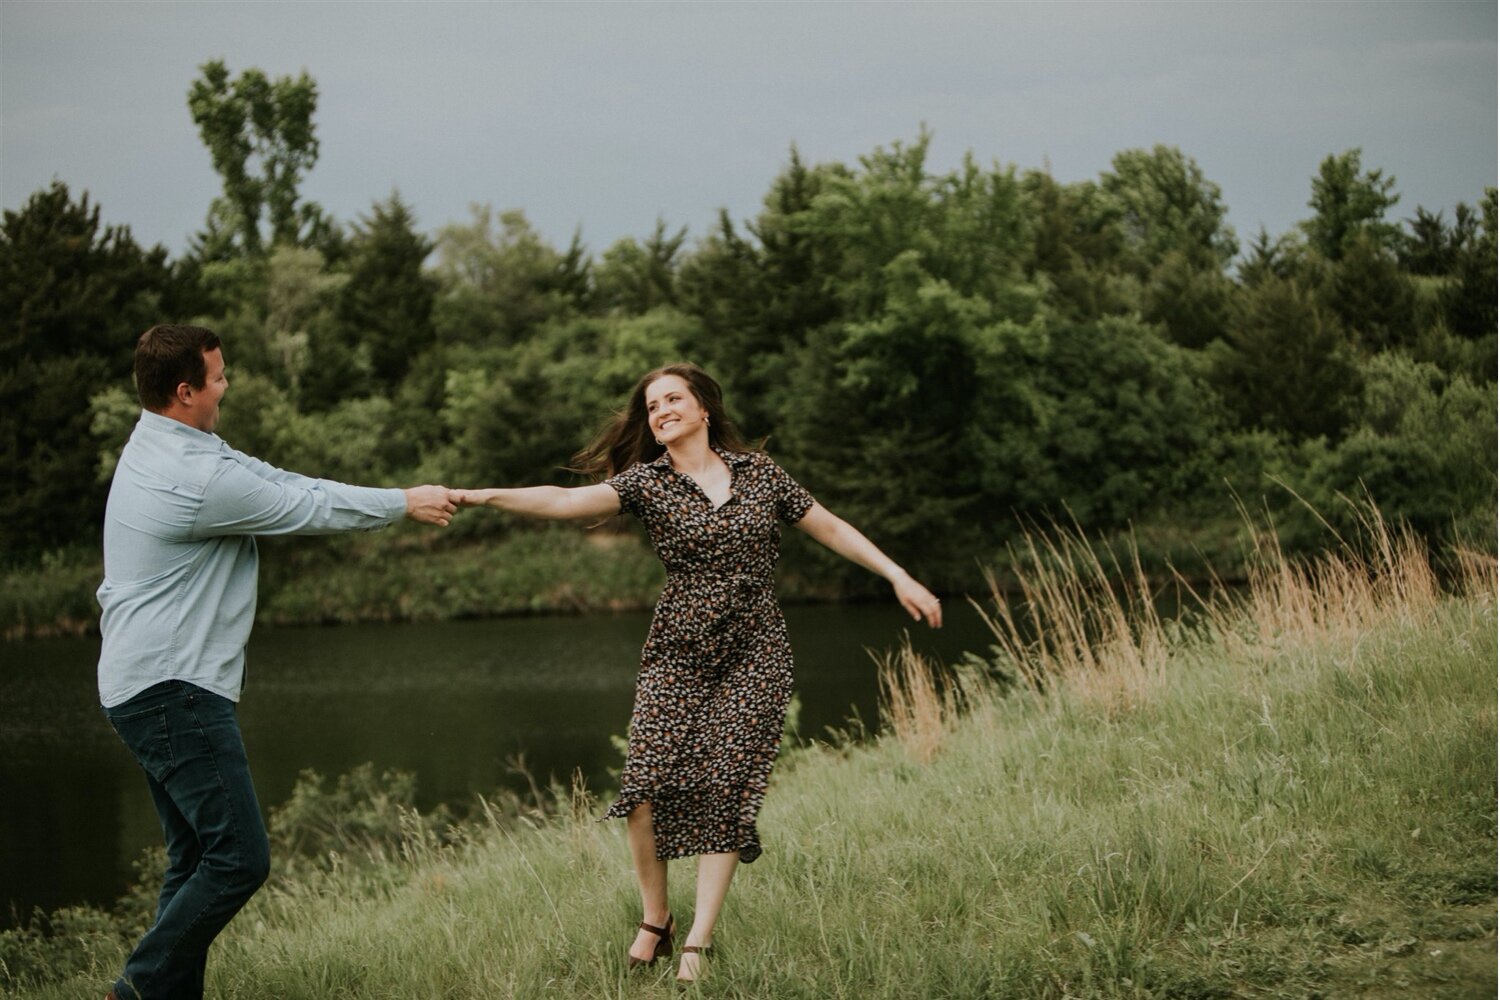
{"points": [[663, 943], [703, 952]]}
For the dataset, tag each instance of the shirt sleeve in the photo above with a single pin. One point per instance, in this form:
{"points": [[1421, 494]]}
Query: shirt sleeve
{"points": [[631, 487], [269, 472], [791, 500], [241, 500]]}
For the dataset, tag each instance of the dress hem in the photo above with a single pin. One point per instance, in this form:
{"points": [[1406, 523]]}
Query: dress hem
{"points": [[748, 851]]}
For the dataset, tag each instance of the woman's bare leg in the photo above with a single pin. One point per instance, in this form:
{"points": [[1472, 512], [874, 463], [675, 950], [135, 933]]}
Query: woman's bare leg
{"points": [[652, 876], [714, 874]]}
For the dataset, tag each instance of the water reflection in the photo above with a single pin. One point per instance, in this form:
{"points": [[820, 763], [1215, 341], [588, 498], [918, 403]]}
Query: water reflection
{"points": [[454, 703]]}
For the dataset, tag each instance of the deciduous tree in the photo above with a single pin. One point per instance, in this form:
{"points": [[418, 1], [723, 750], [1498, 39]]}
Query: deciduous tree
{"points": [[260, 137]]}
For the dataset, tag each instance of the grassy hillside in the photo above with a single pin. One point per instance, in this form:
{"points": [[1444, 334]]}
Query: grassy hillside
{"points": [[1292, 796]]}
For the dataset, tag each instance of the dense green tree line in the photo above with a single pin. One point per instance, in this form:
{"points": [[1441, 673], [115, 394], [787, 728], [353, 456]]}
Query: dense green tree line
{"points": [[941, 357]]}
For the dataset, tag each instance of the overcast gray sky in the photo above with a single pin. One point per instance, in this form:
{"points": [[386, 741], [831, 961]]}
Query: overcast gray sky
{"points": [[606, 117]]}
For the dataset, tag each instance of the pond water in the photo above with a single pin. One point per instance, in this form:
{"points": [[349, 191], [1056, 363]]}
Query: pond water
{"points": [[454, 703]]}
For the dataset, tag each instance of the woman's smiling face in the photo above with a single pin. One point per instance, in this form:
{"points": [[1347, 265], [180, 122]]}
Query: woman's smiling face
{"points": [[674, 412]]}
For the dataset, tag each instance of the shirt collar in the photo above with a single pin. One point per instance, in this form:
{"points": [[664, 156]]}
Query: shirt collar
{"points": [[166, 425]]}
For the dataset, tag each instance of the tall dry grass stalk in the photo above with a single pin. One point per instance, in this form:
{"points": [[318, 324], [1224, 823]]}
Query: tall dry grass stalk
{"points": [[1478, 574], [1382, 573], [1079, 621], [1089, 626], [919, 705]]}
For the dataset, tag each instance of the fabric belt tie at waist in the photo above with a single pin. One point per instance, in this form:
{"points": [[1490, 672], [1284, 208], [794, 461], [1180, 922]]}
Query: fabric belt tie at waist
{"points": [[709, 576]]}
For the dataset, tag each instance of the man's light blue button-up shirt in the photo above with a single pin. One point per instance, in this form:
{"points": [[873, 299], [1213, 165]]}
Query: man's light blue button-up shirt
{"points": [[180, 563]]}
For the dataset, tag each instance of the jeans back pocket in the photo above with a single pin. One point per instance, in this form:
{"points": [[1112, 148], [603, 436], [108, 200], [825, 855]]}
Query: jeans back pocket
{"points": [[148, 736]]}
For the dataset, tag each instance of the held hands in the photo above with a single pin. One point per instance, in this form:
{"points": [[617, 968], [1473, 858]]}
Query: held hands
{"points": [[431, 504], [918, 601], [471, 498], [437, 504]]}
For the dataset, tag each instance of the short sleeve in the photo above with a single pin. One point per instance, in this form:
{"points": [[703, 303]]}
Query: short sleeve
{"points": [[791, 500], [631, 487]]}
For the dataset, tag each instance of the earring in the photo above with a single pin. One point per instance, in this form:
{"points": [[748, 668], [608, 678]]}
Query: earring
{"points": [[658, 440]]}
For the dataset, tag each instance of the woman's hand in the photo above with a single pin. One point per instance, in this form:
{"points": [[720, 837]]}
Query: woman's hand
{"points": [[471, 498], [918, 601]]}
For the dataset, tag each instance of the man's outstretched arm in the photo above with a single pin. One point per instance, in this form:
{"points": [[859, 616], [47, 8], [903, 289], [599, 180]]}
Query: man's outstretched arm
{"points": [[239, 501]]}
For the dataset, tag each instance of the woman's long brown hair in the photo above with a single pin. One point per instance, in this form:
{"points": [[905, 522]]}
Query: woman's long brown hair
{"points": [[627, 439]]}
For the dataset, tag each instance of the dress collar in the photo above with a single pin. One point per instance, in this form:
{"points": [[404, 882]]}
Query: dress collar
{"points": [[732, 459]]}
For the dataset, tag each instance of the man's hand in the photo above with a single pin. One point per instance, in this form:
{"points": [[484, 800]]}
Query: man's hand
{"points": [[431, 505]]}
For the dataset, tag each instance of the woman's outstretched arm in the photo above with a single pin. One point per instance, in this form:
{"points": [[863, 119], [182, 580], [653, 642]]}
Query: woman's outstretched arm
{"points": [[558, 503], [845, 539]]}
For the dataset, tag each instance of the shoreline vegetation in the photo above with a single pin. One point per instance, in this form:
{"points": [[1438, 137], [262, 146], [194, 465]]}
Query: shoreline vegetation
{"points": [[1289, 794], [404, 574]]}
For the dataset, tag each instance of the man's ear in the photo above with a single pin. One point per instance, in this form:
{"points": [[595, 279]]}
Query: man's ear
{"points": [[184, 394]]}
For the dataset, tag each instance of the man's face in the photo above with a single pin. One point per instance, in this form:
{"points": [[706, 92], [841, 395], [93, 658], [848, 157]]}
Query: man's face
{"points": [[203, 405]]}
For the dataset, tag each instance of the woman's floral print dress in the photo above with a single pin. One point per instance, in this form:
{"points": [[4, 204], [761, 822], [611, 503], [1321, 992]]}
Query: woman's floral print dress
{"points": [[716, 670]]}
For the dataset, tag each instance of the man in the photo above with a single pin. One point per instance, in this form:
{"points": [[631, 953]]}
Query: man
{"points": [[178, 600]]}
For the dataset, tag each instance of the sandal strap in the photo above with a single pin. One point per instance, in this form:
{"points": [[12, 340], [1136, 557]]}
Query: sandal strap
{"points": [[694, 949], [658, 931]]}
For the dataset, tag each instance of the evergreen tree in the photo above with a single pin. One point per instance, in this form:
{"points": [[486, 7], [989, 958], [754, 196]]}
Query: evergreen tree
{"points": [[634, 278], [1287, 364], [1192, 303], [1429, 248], [1175, 241], [759, 296], [1471, 303], [74, 296], [1346, 202], [384, 310], [1269, 259], [1371, 294], [1101, 421]]}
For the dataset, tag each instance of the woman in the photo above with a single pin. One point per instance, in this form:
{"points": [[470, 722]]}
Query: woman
{"points": [[716, 670]]}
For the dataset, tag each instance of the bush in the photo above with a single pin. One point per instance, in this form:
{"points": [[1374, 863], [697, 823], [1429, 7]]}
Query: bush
{"points": [[1423, 450]]}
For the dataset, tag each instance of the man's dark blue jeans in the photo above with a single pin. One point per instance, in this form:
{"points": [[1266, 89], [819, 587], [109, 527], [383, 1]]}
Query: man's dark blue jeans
{"points": [[187, 740]]}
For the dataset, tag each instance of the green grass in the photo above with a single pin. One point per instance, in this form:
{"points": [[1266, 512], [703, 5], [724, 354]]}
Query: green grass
{"points": [[1259, 806]]}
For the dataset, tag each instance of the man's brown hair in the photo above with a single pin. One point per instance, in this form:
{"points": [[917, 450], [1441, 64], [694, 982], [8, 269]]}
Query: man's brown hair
{"points": [[168, 355]]}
